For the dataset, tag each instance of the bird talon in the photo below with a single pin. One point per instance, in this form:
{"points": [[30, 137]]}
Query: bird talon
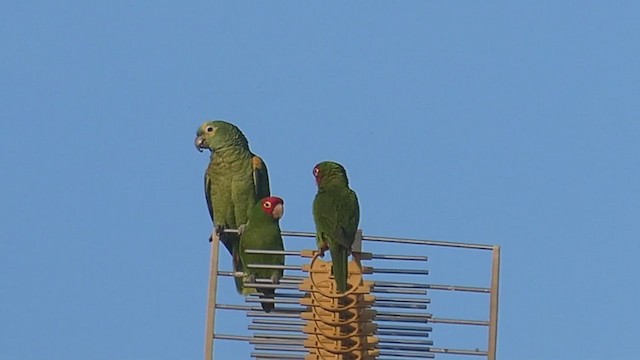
{"points": [[242, 228], [322, 250], [217, 230], [275, 279]]}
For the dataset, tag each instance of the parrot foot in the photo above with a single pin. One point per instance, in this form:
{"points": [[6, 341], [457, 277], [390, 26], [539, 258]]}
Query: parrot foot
{"points": [[251, 279], [217, 230], [242, 228], [322, 249], [275, 279]]}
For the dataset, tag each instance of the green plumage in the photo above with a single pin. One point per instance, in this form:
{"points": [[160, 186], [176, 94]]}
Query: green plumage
{"points": [[336, 213], [263, 233], [234, 180]]}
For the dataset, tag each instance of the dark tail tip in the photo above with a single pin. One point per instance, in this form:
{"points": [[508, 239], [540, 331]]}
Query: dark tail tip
{"points": [[267, 306]]}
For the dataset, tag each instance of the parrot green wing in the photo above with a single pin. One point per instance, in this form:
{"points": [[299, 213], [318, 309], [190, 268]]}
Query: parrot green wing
{"points": [[260, 178], [207, 193], [326, 219], [349, 211], [336, 213]]}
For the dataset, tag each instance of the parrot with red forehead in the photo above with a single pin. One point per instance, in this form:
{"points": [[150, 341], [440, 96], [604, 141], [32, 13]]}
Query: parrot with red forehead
{"points": [[233, 182], [263, 233], [336, 214]]}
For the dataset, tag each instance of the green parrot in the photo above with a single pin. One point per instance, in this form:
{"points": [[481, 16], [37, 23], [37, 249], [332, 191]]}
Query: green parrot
{"points": [[234, 181], [263, 233], [336, 213]]}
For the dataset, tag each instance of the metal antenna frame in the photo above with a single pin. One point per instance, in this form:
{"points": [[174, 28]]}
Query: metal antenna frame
{"points": [[212, 292], [292, 282]]}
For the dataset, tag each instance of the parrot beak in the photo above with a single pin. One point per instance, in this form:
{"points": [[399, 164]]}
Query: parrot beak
{"points": [[201, 143], [278, 211]]}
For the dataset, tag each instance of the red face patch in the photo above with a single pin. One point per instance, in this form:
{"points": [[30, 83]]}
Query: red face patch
{"points": [[268, 204]]}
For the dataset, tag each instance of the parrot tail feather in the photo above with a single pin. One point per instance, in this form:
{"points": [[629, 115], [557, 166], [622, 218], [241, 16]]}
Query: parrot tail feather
{"points": [[268, 294], [228, 240], [340, 262]]}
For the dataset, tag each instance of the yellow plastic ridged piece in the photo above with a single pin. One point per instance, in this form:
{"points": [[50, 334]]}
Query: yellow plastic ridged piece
{"points": [[338, 325]]}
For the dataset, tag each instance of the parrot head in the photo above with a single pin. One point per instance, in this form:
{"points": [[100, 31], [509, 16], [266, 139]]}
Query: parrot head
{"points": [[273, 206], [218, 134], [330, 172]]}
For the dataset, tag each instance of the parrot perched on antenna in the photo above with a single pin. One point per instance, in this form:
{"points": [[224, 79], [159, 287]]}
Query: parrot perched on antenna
{"points": [[234, 181], [336, 213], [263, 233]]}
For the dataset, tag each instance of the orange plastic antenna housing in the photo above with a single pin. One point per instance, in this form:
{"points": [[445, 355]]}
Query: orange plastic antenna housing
{"points": [[338, 325]]}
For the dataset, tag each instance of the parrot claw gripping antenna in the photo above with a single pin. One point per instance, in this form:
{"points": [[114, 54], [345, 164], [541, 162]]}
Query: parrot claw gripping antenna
{"points": [[275, 278], [218, 230], [250, 279]]}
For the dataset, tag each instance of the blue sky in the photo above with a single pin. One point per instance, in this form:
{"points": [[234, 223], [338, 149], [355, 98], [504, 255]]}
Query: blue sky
{"points": [[513, 123]]}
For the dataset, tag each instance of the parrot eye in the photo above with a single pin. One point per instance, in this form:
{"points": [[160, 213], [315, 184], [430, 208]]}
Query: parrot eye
{"points": [[210, 129], [267, 204], [316, 171]]}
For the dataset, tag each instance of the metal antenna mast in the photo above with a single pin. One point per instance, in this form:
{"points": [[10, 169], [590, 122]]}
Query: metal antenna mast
{"points": [[376, 318]]}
